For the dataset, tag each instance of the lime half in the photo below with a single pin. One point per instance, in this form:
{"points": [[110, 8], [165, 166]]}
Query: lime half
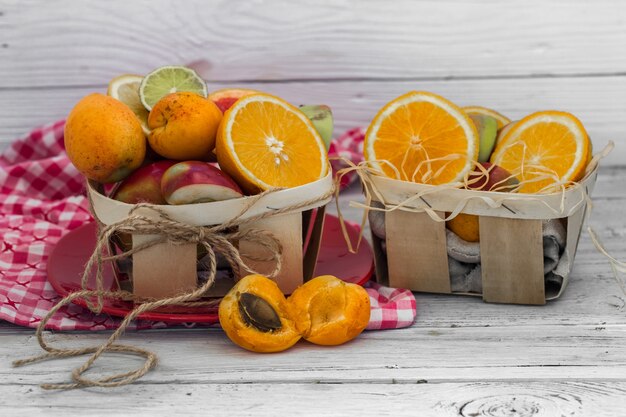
{"points": [[167, 80]]}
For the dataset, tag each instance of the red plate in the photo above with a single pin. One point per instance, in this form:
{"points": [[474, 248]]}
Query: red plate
{"points": [[68, 258]]}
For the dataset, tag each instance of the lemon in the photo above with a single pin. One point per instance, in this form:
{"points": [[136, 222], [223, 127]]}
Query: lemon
{"points": [[171, 79], [125, 88]]}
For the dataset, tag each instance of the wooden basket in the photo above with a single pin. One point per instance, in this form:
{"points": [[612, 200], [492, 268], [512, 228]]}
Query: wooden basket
{"points": [[166, 270], [511, 243]]}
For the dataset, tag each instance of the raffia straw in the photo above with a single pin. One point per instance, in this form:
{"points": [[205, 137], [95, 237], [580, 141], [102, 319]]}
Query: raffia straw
{"points": [[212, 238], [366, 169], [617, 266]]}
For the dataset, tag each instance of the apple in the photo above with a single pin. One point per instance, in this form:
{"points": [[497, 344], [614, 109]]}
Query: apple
{"points": [[192, 182], [151, 156], [495, 178], [143, 185], [322, 118], [487, 127]]}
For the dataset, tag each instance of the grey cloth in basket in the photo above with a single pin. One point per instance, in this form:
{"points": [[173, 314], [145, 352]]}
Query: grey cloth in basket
{"points": [[464, 257]]}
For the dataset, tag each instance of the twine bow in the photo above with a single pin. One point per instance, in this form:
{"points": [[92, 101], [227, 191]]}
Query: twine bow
{"points": [[212, 238]]}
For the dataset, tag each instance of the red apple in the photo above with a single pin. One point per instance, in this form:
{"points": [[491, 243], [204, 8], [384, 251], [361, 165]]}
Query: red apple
{"points": [[192, 182], [494, 178], [143, 185]]}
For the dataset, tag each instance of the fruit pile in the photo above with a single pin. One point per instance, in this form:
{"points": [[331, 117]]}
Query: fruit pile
{"points": [[325, 310], [167, 141], [162, 139], [424, 138]]}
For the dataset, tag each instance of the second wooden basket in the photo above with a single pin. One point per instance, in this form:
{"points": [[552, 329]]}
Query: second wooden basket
{"points": [[511, 243]]}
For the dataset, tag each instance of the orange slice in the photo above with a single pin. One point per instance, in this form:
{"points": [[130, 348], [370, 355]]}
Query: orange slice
{"points": [[422, 137], [265, 142], [500, 118], [544, 144], [125, 88]]}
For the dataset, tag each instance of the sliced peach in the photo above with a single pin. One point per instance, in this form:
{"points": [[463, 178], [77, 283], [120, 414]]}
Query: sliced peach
{"points": [[254, 314], [329, 311]]}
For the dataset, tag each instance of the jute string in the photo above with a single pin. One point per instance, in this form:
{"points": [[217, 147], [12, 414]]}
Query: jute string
{"points": [[215, 239], [425, 172]]}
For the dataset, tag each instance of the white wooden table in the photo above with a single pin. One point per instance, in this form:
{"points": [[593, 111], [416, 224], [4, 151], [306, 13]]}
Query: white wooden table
{"points": [[462, 356]]}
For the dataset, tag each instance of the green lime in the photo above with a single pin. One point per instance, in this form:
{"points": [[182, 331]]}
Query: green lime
{"points": [[166, 80]]}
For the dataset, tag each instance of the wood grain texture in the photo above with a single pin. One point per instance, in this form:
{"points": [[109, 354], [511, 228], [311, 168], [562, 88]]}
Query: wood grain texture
{"points": [[354, 56], [416, 252], [511, 260], [464, 399], [65, 43], [434, 353], [287, 228], [172, 266]]}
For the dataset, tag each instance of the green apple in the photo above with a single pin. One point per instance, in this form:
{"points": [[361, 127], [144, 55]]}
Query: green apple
{"points": [[487, 127], [322, 118]]}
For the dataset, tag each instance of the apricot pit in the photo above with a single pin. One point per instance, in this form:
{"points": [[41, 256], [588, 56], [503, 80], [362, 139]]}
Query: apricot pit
{"points": [[258, 313], [254, 314]]}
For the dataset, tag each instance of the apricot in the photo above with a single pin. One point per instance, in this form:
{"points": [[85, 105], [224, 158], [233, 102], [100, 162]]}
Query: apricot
{"points": [[329, 311], [104, 139], [255, 315], [183, 126]]}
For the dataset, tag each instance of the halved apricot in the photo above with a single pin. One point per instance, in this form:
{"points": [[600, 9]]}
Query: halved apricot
{"points": [[329, 311], [254, 314]]}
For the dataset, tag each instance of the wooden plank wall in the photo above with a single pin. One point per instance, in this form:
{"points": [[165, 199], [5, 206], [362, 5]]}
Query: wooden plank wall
{"points": [[517, 57]]}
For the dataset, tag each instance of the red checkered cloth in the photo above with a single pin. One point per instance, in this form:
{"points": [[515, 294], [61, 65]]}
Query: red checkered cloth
{"points": [[349, 146], [42, 199], [392, 308]]}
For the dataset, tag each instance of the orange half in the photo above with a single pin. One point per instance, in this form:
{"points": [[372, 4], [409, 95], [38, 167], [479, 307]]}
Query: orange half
{"points": [[265, 142], [422, 137], [546, 143]]}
